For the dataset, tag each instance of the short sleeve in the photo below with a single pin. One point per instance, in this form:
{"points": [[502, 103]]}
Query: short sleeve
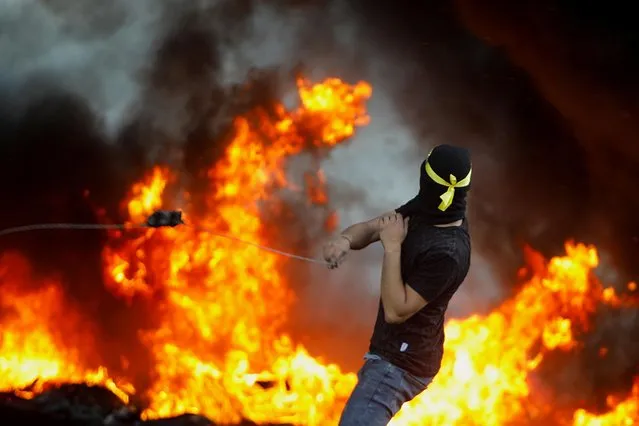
{"points": [[432, 274]]}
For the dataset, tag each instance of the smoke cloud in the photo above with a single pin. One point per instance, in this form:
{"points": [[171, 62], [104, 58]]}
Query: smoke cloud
{"points": [[583, 68]]}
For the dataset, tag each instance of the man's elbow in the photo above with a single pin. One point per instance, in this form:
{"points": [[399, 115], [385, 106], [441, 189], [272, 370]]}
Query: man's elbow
{"points": [[394, 318], [399, 315]]}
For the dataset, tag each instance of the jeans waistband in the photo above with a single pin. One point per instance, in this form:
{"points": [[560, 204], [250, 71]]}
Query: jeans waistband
{"points": [[373, 356]]}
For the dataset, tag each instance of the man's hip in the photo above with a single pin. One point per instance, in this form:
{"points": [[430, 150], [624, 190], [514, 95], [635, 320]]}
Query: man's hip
{"points": [[381, 390]]}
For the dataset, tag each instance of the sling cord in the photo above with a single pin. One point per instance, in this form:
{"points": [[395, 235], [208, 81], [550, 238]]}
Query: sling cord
{"points": [[159, 219]]}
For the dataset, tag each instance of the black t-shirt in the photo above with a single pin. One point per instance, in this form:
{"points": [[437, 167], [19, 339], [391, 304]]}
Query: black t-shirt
{"points": [[435, 261]]}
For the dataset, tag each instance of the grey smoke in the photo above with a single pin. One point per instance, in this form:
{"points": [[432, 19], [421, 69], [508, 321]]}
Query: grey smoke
{"points": [[93, 49]]}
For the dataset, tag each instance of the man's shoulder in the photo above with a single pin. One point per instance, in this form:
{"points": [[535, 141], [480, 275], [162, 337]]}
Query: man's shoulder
{"points": [[440, 244]]}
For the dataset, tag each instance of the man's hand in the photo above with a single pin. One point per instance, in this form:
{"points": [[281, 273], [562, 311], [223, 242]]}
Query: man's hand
{"points": [[393, 230], [335, 251]]}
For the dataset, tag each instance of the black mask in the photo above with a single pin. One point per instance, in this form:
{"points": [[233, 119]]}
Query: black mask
{"points": [[431, 204]]}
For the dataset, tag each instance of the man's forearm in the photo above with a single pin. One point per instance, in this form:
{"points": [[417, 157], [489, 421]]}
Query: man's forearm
{"points": [[360, 235], [393, 290]]}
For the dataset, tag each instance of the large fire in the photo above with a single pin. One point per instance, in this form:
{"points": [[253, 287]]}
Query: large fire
{"points": [[220, 348]]}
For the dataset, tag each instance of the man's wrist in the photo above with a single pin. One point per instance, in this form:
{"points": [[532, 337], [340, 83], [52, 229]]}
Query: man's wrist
{"points": [[347, 238], [392, 249]]}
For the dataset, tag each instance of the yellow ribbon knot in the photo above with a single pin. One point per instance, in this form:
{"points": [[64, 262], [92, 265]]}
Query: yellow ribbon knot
{"points": [[447, 197]]}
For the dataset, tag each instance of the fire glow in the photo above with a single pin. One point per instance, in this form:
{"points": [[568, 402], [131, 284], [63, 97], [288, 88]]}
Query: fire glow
{"points": [[224, 305]]}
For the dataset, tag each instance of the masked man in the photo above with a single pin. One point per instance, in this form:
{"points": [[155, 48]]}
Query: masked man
{"points": [[426, 258]]}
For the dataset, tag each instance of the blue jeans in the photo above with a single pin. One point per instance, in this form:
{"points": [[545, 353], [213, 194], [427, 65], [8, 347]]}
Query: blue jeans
{"points": [[381, 390]]}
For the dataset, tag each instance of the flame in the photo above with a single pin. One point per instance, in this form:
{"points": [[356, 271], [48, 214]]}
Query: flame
{"points": [[622, 413], [220, 294], [128, 276], [145, 198], [219, 346], [488, 360], [32, 356]]}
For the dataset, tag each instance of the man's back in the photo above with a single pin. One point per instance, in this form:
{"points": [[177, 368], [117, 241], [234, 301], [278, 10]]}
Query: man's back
{"points": [[435, 261]]}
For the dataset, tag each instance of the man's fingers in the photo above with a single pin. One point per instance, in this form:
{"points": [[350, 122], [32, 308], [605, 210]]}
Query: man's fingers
{"points": [[388, 219], [334, 263], [334, 255]]}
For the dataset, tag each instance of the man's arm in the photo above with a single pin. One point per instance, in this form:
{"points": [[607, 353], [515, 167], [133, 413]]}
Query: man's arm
{"points": [[399, 300], [362, 234], [429, 279]]}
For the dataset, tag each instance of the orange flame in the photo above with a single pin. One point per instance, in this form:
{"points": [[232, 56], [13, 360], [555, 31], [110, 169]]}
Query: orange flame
{"points": [[488, 360], [33, 321], [221, 294], [622, 413], [220, 348]]}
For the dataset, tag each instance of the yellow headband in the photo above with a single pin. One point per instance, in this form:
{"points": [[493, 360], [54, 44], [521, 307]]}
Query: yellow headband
{"points": [[447, 197]]}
